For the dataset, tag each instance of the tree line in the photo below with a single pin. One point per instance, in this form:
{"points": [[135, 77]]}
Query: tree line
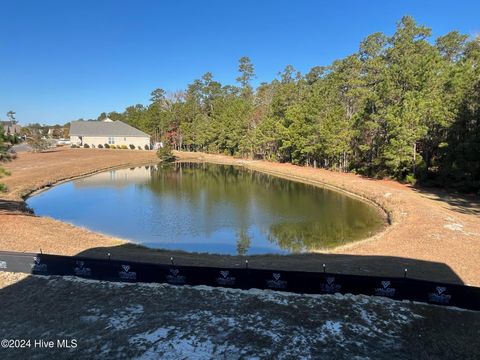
{"points": [[4, 156], [404, 106]]}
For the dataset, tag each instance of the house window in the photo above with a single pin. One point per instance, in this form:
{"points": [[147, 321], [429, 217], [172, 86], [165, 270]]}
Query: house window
{"points": [[111, 140]]}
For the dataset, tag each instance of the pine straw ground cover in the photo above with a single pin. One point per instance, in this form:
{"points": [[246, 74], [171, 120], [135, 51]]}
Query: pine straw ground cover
{"points": [[436, 235], [151, 321]]}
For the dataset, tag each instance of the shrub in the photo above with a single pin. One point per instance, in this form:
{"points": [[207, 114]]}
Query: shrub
{"points": [[73, 146], [100, 146], [86, 146], [165, 153], [410, 178], [93, 146], [147, 147], [131, 146], [124, 147], [113, 146], [139, 147], [3, 173], [37, 142], [106, 146]]}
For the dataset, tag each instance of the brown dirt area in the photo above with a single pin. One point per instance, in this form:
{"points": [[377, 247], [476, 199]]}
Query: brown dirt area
{"points": [[435, 235]]}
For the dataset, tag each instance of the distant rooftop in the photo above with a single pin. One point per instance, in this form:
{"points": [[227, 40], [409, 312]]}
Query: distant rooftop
{"points": [[9, 127], [106, 127]]}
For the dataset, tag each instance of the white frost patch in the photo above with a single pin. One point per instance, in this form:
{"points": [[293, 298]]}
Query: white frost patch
{"points": [[329, 330], [126, 318], [333, 327], [82, 280], [180, 345], [151, 336], [454, 227]]}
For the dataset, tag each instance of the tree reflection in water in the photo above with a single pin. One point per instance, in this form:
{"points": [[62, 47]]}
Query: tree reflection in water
{"points": [[293, 216], [209, 208]]}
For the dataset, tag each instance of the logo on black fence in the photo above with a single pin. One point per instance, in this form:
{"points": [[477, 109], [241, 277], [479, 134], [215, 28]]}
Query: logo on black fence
{"points": [[329, 286], [175, 278], [276, 283], [439, 295], [81, 270], [37, 265], [126, 274], [3, 264], [224, 279], [385, 290]]}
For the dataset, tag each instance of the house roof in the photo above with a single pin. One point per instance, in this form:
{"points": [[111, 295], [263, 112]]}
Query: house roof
{"points": [[9, 127], [104, 128]]}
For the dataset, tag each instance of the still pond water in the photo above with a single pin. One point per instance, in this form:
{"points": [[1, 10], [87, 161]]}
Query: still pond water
{"points": [[210, 208]]}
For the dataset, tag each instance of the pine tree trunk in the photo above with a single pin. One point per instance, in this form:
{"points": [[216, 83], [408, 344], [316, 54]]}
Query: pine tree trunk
{"points": [[414, 158]]}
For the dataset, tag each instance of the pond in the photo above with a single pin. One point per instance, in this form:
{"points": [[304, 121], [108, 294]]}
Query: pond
{"points": [[201, 207]]}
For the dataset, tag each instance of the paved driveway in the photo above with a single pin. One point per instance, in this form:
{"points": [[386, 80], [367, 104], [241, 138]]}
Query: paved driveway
{"points": [[23, 147]]}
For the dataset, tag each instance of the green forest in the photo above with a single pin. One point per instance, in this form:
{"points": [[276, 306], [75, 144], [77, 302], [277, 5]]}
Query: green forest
{"points": [[404, 106]]}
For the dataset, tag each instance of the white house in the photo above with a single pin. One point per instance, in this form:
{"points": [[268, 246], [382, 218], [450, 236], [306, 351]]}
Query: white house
{"points": [[117, 178], [109, 132]]}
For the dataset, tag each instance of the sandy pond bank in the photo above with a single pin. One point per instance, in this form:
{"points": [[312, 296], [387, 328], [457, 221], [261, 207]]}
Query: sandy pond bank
{"points": [[435, 236]]}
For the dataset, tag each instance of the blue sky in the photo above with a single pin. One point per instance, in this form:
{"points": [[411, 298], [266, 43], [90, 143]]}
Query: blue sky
{"points": [[62, 60]]}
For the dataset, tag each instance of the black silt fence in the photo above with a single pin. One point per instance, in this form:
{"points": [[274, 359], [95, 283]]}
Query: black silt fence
{"points": [[462, 296]]}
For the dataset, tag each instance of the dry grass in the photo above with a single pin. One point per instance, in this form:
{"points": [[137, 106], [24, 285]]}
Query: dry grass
{"points": [[434, 239]]}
